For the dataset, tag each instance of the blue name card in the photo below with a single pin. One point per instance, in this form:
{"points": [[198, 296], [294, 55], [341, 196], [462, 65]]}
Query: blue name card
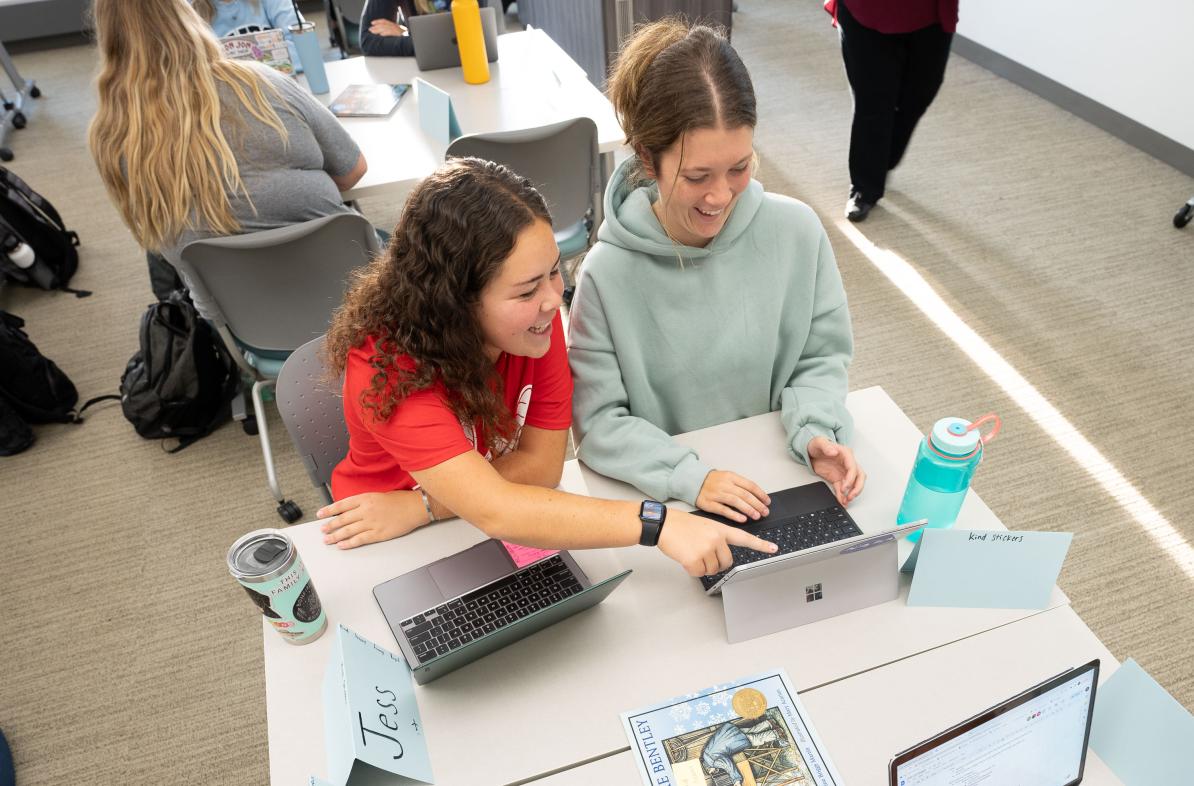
{"points": [[437, 116], [1141, 732], [371, 719], [986, 569]]}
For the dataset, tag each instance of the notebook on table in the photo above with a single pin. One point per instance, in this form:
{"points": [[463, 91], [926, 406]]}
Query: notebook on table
{"points": [[368, 100], [457, 609]]}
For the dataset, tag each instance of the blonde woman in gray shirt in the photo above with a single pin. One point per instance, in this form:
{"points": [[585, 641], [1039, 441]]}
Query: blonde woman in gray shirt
{"points": [[191, 144]]}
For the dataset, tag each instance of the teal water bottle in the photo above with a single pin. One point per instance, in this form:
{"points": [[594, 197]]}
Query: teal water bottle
{"points": [[945, 463]]}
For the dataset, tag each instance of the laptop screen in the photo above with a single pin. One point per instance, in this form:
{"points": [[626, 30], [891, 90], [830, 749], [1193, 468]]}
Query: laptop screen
{"points": [[1037, 738]]}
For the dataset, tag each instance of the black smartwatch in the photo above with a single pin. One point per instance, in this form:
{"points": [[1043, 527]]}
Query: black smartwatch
{"points": [[652, 514]]}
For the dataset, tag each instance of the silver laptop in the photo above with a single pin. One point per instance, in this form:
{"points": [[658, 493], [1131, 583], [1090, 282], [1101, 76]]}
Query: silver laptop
{"points": [[799, 518], [455, 610], [434, 39], [1036, 738]]}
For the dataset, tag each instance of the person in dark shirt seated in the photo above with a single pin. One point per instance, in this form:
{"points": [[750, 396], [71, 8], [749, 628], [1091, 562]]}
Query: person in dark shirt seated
{"points": [[382, 31]]}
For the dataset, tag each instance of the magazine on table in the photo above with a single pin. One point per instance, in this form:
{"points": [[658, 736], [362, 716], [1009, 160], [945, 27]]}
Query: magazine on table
{"points": [[750, 732], [368, 100]]}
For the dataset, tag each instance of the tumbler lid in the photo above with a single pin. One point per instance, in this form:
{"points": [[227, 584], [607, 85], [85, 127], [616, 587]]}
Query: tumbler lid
{"points": [[953, 437], [258, 554]]}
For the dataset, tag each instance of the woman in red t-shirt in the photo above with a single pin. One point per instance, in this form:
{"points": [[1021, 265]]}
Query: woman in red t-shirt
{"points": [[457, 392]]}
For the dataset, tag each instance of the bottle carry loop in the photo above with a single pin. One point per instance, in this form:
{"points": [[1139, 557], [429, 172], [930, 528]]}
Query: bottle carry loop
{"points": [[990, 417]]}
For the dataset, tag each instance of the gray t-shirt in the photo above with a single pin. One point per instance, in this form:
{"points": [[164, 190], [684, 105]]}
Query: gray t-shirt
{"points": [[289, 182]]}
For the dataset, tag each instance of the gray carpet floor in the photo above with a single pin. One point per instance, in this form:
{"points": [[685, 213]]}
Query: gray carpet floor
{"points": [[129, 656]]}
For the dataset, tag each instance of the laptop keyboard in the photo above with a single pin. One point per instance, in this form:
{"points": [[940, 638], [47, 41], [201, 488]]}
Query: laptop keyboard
{"points": [[801, 532], [455, 623]]}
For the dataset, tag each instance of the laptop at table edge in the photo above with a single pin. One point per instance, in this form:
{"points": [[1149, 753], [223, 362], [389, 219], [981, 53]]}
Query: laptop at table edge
{"points": [[978, 719]]}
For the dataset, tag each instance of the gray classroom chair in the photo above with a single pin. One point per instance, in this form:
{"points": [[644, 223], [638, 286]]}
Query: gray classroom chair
{"points": [[562, 161], [312, 410], [274, 291], [346, 16]]}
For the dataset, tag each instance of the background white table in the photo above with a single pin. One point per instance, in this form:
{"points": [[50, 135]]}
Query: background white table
{"points": [[533, 83], [866, 719], [554, 699]]}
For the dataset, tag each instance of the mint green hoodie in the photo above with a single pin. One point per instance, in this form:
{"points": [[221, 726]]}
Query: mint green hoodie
{"points": [[754, 322]]}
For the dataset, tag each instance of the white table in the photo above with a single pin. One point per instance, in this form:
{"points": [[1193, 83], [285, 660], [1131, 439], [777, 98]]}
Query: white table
{"points": [[657, 636], [866, 719], [533, 83]]}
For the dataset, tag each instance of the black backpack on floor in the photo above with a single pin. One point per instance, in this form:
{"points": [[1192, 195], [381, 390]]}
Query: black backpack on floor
{"points": [[32, 388], [31, 383], [180, 382], [28, 218]]}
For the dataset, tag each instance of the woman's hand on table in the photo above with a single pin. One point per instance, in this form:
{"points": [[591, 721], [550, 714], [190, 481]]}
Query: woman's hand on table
{"points": [[836, 465], [372, 517]]}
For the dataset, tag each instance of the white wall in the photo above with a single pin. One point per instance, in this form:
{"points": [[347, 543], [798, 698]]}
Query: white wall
{"points": [[1134, 57]]}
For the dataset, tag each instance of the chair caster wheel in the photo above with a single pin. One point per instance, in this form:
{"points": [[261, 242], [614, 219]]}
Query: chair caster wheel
{"points": [[35, 91], [19, 120], [5, 154], [249, 425], [1182, 217], [290, 512]]}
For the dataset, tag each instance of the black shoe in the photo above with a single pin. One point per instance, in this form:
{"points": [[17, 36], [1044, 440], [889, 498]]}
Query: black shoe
{"points": [[857, 208]]}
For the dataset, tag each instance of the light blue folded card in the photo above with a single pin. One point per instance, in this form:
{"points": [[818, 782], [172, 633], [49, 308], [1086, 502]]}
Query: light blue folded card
{"points": [[1141, 732], [437, 116], [981, 569], [371, 720]]}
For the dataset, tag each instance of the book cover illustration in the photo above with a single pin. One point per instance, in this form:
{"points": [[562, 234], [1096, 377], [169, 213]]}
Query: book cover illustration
{"points": [[751, 732], [264, 46], [367, 100]]}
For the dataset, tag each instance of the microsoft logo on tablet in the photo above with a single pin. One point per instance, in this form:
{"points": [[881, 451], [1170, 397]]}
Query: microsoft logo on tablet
{"points": [[812, 592]]}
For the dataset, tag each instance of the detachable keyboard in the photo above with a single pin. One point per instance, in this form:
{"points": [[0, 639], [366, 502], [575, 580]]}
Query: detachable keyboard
{"points": [[796, 533], [456, 622]]}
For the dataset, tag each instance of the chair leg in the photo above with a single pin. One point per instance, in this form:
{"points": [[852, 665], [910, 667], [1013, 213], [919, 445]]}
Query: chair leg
{"points": [[289, 512], [263, 434]]}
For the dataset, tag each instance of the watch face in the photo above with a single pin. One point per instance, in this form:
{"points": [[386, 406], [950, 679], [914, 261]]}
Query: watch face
{"points": [[652, 510]]}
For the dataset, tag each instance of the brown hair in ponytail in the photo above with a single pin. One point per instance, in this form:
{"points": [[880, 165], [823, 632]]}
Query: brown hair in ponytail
{"points": [[672, 77]]}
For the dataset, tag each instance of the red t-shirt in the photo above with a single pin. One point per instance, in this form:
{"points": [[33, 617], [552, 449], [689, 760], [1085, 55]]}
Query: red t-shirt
{"points": [[422, 431]]}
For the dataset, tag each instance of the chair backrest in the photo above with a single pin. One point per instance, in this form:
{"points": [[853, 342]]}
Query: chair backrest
{"points": [[561, 159], [351, 9], [313, 412], [276, 290]]}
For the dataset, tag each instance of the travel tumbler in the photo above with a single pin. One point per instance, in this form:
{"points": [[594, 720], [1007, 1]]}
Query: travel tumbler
{"points": [[470, 38], [307, 44], [268, 566], [945, 462]]}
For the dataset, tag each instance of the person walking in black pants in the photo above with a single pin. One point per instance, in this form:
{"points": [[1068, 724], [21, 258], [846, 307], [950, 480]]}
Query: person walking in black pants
{"points": [[895, 56]]}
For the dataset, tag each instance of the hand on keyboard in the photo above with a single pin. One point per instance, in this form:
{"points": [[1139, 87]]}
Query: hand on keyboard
{"points": [[702, 546], [733, 496]]}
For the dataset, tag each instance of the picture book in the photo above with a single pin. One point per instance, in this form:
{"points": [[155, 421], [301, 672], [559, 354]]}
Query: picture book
{"points": [[751, 732], [367, 100], [264, 46]]}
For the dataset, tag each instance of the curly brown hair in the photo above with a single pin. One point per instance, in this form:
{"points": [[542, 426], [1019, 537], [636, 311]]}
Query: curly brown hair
{"points": [[420, 296]]}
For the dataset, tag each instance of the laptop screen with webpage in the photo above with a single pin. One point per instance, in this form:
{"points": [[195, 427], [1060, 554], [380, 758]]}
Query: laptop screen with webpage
{"points": [[1037, 738]]}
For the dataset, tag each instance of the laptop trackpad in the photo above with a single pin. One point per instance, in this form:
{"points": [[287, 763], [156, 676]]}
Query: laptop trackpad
{"points": [[471, 568]]}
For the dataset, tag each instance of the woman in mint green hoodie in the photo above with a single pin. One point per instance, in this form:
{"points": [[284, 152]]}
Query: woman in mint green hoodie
{"points": [[705, 299]]}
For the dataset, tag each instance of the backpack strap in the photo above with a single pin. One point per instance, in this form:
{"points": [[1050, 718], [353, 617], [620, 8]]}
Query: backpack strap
{"points": [[78, 414]]}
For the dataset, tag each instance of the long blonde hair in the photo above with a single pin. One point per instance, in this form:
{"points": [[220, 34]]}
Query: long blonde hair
{"points": [[156, 137]]}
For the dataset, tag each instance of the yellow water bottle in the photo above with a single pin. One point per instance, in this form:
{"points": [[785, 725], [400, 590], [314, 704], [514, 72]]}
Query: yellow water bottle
{"points": [[466, 17]]}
